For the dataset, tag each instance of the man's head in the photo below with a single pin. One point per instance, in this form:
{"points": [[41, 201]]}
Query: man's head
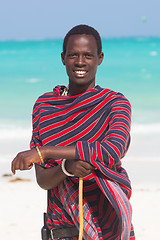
{"points": [[81, 56], [83, 29]]}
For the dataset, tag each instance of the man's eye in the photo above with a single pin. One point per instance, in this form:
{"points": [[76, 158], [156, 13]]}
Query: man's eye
{"points": [[72, 55], [88, 55]]}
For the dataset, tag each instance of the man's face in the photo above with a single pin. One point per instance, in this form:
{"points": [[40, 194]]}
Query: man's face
{"points": [[81, 59]]}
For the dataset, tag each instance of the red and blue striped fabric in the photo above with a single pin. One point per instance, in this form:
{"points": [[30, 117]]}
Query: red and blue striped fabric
{"points": [[97, 122]]}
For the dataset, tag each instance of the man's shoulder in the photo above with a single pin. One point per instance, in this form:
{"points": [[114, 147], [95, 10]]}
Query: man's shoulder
{"points": [[112, 97], [43, 99], [111, 93], [46, 96]]}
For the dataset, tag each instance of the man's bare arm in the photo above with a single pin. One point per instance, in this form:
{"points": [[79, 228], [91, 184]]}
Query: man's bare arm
{"points": [[24, 160], [49, 178]]}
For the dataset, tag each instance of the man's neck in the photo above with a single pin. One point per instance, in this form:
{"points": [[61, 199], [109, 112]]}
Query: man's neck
{"points": [[75, 90]]}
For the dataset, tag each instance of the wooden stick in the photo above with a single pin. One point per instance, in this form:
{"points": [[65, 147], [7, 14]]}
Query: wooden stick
{"points": [[80, 209]]}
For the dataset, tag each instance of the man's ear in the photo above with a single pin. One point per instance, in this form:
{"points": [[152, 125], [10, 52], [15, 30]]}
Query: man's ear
{"points": [[101, 56], [62, 57]]}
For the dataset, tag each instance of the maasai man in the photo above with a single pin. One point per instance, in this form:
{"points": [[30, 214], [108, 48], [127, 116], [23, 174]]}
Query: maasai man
{"points": [[83, 131]]}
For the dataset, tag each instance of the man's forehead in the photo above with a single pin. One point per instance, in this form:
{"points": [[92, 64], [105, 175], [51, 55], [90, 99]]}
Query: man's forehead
{"points": [[81, 40]]}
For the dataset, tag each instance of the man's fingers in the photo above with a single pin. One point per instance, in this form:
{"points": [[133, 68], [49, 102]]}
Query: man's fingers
{"points": [[27, 165], [85, 171], [20, 163], [81, 171], [31, 165], [86, 165], [13, 166]]}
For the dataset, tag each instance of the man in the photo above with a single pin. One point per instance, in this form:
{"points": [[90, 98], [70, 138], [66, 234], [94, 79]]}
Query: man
{"points": [[89, 126]]}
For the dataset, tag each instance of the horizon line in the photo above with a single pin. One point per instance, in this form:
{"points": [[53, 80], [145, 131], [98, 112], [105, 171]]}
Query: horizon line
{"points": [[61, 38]]}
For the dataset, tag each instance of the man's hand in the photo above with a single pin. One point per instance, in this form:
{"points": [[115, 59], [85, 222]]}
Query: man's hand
{"points": [[78, 167], [24, 160]]}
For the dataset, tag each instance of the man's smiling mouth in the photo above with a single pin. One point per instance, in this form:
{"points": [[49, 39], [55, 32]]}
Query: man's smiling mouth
{"points": [[80, 72]]}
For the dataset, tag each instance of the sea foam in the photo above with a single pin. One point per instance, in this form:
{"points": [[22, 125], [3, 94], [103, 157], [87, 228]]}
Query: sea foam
{"points": [[145, 128], [16, 132], [32, 80]]}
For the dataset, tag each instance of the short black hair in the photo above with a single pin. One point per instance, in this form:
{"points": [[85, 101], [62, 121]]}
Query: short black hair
{"points": [[83, 29]]}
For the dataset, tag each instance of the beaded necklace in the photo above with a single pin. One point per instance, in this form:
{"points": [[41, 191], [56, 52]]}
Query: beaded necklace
{"points": [[65, 92]]}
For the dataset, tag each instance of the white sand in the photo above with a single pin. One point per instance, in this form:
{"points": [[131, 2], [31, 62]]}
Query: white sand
{"points": [[22, 206], [23, 203], [146, 212]]}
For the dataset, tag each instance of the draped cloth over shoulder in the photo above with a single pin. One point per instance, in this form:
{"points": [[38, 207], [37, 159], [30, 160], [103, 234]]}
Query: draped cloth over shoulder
{"points": [[97, 122]]}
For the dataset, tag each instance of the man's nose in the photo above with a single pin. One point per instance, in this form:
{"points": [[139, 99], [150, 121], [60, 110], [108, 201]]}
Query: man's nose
{"points": [[80, 61]]}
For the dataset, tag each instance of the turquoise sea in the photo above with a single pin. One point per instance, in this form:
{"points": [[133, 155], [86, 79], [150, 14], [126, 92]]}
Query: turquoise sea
{"points": [[30, 68]]}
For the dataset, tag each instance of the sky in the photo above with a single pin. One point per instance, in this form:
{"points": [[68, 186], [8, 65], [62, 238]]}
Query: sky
{"points": [[48, 19]]}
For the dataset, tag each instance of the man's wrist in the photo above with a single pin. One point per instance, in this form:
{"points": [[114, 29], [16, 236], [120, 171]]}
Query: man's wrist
{"points": [[68, 164], [63, 166], [45, 152]]}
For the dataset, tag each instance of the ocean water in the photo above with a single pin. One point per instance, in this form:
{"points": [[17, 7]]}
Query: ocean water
{"points": [[30, 68]]}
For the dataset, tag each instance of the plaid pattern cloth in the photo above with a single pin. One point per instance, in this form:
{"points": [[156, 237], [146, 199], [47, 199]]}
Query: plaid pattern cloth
{"points": [[97, 122]]}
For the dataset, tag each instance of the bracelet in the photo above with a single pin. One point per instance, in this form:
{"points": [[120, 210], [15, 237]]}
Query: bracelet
{"points": [[64, 170], [39, 153]]}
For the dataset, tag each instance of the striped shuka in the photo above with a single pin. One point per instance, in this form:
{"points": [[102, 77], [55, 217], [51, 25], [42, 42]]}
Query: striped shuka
{"points": [[97, 122]]}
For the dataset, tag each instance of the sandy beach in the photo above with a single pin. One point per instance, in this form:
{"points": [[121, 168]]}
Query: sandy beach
{"points": [[23, 203]]}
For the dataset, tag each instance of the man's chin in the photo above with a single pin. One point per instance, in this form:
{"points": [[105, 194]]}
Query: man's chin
{"points": [[79, 81]]}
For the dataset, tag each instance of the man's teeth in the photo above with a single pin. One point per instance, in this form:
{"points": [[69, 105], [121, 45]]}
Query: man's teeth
{"points": [[80, 72]]}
